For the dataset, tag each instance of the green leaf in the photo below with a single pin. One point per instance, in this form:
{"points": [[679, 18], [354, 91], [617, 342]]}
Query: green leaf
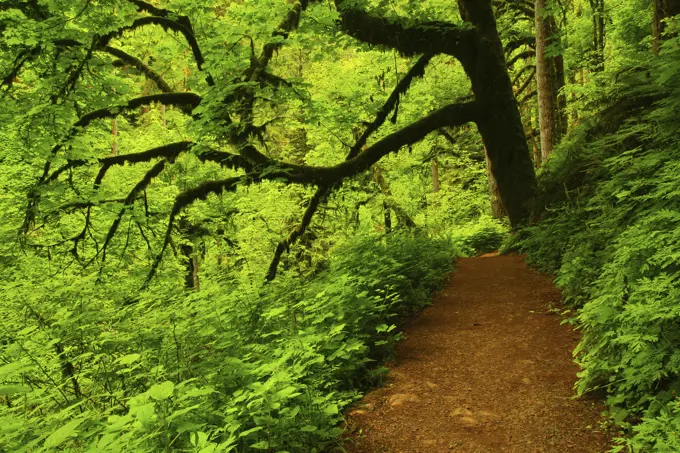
{"points": [[261, 445], [161, 391], [331, 409], [62, 434], [146, 413], [128, 359], [11, 389]]}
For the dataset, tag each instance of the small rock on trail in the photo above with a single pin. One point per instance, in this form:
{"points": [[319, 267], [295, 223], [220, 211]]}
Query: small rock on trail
{"points": [[486, 369]]}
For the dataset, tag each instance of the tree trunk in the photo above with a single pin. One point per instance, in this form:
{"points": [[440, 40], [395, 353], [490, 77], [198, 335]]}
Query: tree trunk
{"points": [[389, 203], [550, 81], [559, 78], [500, 124], [387, 214], [597, 7], [497, 210], [663, 9], [435, 176], [545, 82]]}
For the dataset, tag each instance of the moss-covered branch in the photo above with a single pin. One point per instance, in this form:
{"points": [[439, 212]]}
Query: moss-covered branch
{"points": [[179, 99], [140, 66], [167, 24], [284, 246], [129, 200], [183, 200], [418, 70], [409, 38]]}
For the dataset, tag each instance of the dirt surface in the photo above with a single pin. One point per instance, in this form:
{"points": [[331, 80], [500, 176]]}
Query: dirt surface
{"points": [[487, 368]]}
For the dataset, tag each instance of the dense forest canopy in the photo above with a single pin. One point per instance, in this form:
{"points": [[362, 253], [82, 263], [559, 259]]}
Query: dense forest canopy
{"points": [[217, 214]]}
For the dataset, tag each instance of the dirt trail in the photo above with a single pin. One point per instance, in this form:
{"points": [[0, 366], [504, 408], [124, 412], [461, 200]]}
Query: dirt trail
{"points": [[486, 369]]}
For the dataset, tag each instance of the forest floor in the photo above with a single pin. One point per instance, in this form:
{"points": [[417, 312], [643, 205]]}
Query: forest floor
{"points": [[487, 368]]}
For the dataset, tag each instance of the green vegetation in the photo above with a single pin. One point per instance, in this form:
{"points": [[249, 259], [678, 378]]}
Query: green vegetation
{"points": [[161, 288], [609, 232], [218, 215]]}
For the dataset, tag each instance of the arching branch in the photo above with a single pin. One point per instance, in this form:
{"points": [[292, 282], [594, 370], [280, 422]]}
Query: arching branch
{"points": [[140, 66], [418, 70], [521, 56], [256, 73], [526, 83], [521, 72], [528, 96], [169, 152], [518, 42], [180, 99], [183, 200], [409, 38], [160, 12], [451, 115], [129, 200], [284, 246], [167, 24]]}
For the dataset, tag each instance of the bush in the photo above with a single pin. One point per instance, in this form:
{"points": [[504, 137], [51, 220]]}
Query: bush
{"points": [[224, 369], [611, 234], [482, 236]]}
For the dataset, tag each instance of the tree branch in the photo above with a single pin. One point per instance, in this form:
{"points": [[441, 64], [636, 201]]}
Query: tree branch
{"points": [[179, 99], [184, 199], [418, 70], [527, 97], [408, 38], [140, 66], [516, 43], [166, 24], [129, 200], [526, 83], [521, 56], [284, 245], [451, 115]]}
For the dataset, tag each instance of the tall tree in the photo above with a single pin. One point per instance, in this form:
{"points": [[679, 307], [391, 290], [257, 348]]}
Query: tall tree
{"points": [[229, 108], [598, 13], [550, 79], [663, 9]]}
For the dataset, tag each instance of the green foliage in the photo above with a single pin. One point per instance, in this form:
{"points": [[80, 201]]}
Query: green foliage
{"points": [[482, 236], [219, 370], [207, 357], [611, 234]]}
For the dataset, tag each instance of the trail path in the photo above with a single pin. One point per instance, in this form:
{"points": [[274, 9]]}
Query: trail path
{"points": [[486, 369]]}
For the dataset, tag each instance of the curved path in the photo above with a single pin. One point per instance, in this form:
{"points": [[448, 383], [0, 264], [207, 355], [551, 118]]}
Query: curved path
{"points": [[486, 369]]}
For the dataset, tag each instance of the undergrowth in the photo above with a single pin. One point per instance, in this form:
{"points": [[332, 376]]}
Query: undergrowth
{"points": [[610, 232], [226, 369]]}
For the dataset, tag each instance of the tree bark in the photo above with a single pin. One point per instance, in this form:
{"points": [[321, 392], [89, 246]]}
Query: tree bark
{"points": [[544, 80], [387, 214], [479, 49], [435, 176], [499, 123], [663, 9], [558, 89], [597, 7], [550, 81], [497, 209]]}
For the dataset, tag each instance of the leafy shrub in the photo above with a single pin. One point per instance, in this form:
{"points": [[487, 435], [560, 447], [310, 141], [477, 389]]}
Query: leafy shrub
{"points": [[224, 369], [611, 235], [484, 235]]}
